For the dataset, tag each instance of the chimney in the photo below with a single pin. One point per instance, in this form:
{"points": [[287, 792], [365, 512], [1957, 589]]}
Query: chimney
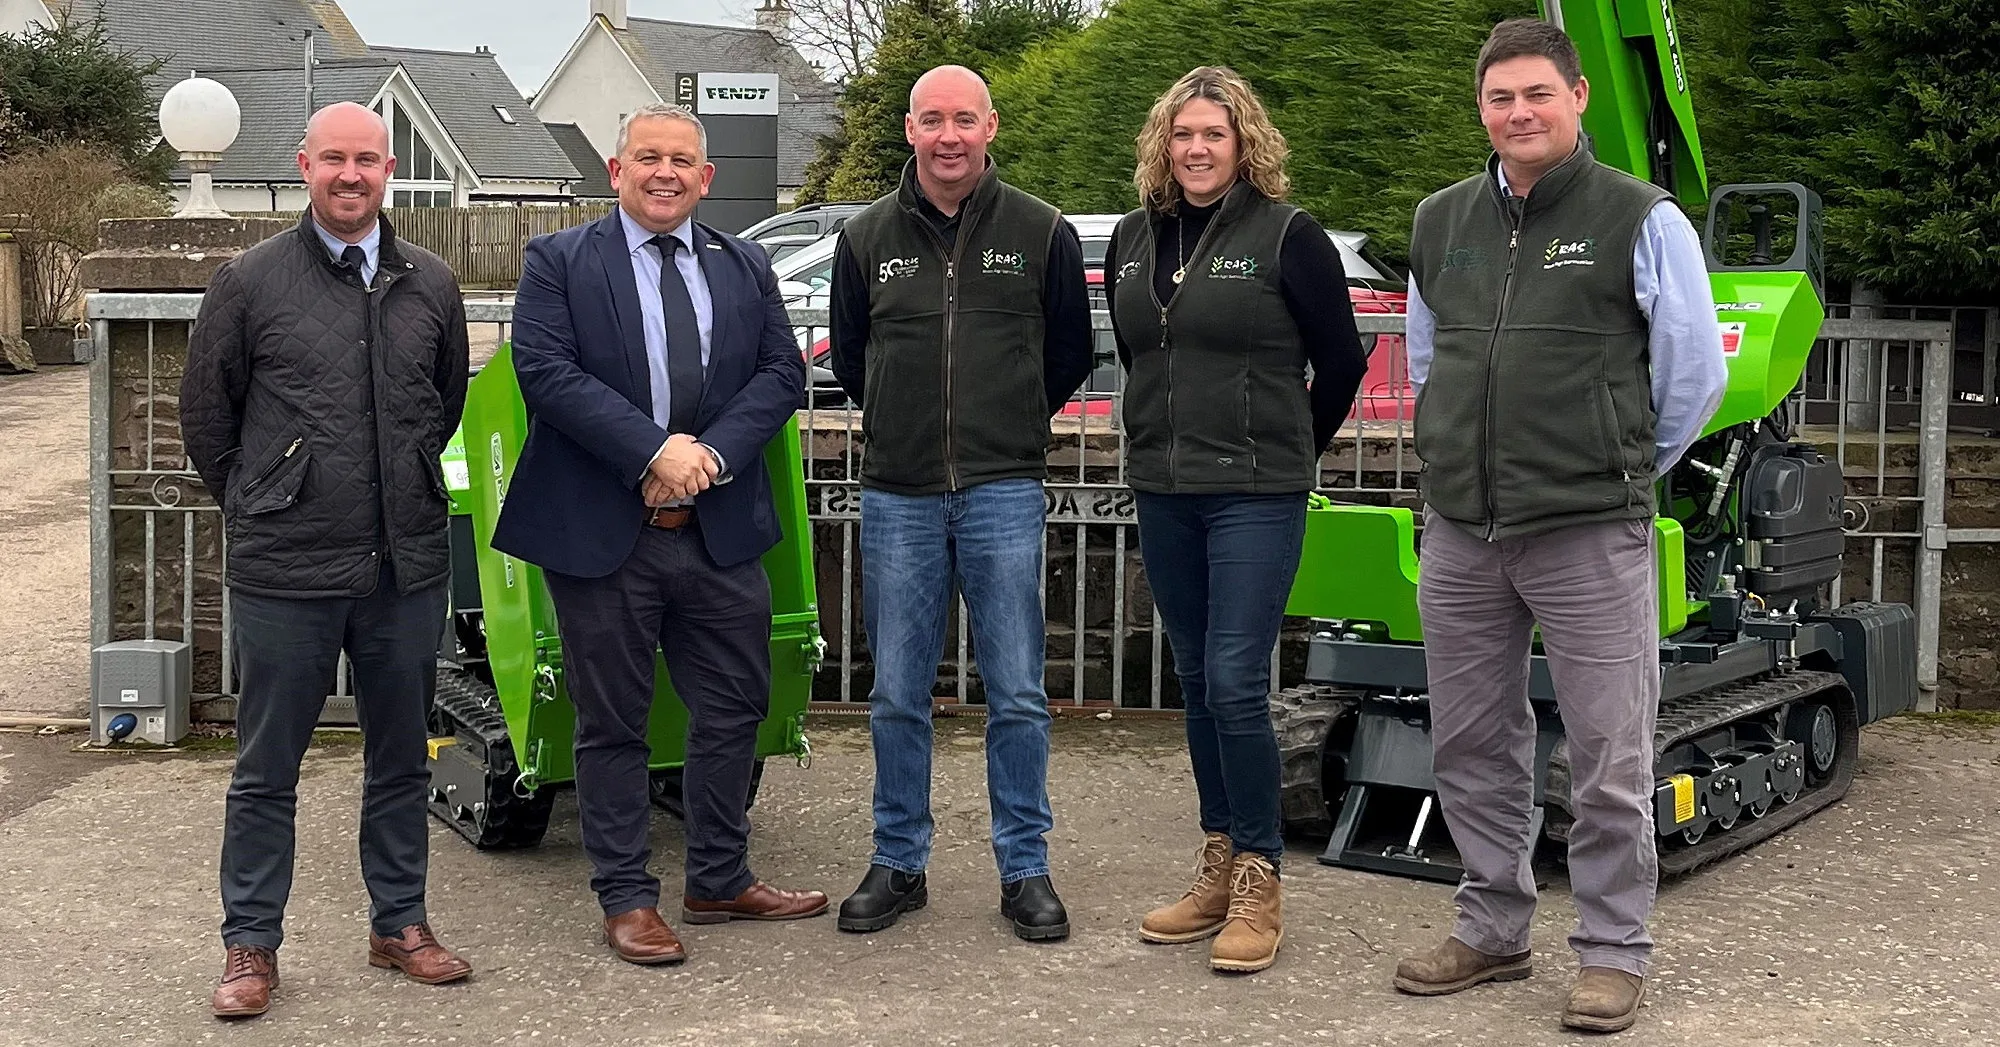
{"points": [[775, 18], [612, 10]]}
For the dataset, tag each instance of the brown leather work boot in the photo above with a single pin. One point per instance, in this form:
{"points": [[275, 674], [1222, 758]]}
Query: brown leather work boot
{"points": [[249, 974], [641, 936], [1455, 965], [1256, 923], [1202, 911], [1604, 999], [415, 951]]}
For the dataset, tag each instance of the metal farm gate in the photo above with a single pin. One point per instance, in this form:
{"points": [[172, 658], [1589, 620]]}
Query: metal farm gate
{"points": [[1876, 396]]}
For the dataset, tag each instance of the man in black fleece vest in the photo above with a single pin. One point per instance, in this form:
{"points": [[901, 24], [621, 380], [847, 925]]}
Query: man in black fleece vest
{"points": [[1563, 341], [960, 324]]}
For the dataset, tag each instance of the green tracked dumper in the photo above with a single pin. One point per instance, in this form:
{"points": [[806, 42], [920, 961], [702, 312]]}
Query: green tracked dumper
{"points": [[502, 726], [1765, 683]]}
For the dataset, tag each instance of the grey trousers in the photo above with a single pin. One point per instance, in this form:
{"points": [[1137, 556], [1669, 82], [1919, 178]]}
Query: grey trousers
{"points": [[1591, 590], [287, 652]]}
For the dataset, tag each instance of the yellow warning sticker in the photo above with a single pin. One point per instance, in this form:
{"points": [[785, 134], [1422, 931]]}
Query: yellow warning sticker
{"points": [[438, 743], [1683, 798]]}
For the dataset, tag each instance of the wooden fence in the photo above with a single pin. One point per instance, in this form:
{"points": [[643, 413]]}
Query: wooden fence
{"points": [[482, 245]]}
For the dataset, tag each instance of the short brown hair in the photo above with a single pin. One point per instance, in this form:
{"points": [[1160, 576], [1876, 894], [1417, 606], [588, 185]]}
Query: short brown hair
{"points": [[1528, 37]]}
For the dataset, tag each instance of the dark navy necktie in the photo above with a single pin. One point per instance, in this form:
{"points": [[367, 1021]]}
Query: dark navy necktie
{"points": [[353, 255], [683, 340]]}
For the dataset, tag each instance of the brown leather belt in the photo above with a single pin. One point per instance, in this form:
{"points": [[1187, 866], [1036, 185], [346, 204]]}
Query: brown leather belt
{"points": [[670, 517]]}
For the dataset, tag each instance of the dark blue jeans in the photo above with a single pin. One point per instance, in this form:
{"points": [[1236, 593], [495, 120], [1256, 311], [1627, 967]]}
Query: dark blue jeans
{"points": [[1221, 567], [988, 540]]}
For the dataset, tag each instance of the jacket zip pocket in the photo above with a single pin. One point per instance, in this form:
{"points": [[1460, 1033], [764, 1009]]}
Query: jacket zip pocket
{"points": [[1607, 429], [265, 473]]}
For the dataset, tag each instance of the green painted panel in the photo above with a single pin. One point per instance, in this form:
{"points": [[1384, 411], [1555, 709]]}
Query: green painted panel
{"points": [[523, 642]]}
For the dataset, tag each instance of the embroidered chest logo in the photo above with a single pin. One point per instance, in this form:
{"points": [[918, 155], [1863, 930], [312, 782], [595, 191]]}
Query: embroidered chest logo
{"points": [[1463, 258], [1002, 263], [1244, 268], [1128, 269], [897, 268], [1562, 252]]}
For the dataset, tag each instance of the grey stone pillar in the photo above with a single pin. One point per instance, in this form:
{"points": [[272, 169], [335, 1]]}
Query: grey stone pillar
{"points": [[156, 537]]}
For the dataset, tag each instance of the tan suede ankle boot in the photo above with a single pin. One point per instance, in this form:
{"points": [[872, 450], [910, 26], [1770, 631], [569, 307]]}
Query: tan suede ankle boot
{"points": [[1201, 911], [1256, 924]]}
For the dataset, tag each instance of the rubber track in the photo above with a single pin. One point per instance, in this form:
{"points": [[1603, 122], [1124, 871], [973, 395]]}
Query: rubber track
{"points": [[1696, 714], [511, 821], [1302, 716]]}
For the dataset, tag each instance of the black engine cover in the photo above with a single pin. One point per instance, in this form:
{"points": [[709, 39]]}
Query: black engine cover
{"points": [[1793, 494]]}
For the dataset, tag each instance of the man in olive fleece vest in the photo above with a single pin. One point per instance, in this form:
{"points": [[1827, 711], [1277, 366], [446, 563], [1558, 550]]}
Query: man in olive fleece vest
{"points": [[960, 324], [1562, 337]]}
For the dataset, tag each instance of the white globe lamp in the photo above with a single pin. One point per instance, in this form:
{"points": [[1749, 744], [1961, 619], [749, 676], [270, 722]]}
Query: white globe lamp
{"points": [[200, 119]]}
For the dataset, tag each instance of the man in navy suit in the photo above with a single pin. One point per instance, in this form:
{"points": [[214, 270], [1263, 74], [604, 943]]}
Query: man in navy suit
{"points": [[656, 361]]}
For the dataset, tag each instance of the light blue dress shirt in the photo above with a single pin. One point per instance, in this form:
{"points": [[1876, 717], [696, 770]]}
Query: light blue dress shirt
{"points": [[646, 268], [371, 245], [1670, 282]]}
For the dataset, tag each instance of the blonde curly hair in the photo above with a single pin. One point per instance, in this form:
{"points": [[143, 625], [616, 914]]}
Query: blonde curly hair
{"points": [[1260, 147]]}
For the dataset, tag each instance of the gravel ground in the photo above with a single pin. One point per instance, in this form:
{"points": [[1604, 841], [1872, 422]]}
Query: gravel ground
{"points": [[45, 559], [1873, 923]]}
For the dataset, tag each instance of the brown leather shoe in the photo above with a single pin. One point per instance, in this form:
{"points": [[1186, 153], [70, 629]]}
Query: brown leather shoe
{"points": [[415, 951], [1604, 1000], [760, 901], [1454, 966], [249, 974], [641, 936]]}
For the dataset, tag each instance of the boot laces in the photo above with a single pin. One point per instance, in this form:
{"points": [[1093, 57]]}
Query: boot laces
{"points": [[1246, 888], [1206, 872]]}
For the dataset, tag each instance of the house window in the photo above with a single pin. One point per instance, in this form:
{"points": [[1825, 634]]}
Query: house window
{"points": [[505, 116], [422, 177]]}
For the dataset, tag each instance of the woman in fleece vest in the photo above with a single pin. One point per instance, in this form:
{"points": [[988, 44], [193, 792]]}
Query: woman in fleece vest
{"points": [[1221, 295]]}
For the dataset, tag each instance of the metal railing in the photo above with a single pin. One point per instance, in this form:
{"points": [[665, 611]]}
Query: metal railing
{"points": [[156, 539]]}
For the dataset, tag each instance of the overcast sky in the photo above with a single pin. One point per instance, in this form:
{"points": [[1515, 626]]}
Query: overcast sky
{"points": [[530, 36]]}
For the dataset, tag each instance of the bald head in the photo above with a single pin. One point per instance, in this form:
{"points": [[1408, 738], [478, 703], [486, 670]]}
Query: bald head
{"points": [[347, 119], [954, 79], [346, 166], [950, 123]]}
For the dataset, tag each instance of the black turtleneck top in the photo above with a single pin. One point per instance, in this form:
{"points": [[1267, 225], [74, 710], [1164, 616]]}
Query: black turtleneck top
{"points": [[1314, 284]]}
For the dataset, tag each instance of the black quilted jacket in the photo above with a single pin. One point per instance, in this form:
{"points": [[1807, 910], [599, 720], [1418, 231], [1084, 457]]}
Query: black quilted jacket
{"points": [[315, 410]]}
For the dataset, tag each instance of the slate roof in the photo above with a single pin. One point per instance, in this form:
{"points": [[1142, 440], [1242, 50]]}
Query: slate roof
{"points": [[596, 180], [274, 115], [197, 35], [662, 48], [463, 87]]}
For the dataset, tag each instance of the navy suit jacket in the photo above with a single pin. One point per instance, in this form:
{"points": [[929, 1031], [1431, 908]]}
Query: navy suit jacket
{"points": [[574, 505]]}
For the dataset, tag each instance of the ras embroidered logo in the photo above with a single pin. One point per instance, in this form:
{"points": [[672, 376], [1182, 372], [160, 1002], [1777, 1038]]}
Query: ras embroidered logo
{"points": [[1221, 268], [1562, 252], [1002, 263], [896, 267]]}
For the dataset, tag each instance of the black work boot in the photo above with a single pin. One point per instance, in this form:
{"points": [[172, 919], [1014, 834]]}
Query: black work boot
{"points": [[1037, 913], [884, 894]]}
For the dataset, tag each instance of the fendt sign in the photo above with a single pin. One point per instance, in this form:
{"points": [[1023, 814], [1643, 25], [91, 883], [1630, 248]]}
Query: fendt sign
{"points": [[737, 94]]}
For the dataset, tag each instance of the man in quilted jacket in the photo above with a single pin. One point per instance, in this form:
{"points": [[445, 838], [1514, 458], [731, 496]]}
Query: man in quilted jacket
{"points": [[325, 372]]}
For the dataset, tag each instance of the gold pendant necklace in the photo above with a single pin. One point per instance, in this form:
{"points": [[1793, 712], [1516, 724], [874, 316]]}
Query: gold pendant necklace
{"points": [[1180, 245]]}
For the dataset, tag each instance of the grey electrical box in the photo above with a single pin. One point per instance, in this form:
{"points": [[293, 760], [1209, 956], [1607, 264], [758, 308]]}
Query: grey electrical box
{"points": [[151, 680]]}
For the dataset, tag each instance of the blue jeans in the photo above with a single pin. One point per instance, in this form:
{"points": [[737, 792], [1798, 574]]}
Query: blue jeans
{"points": [[987, 539], [1221, 567]]}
